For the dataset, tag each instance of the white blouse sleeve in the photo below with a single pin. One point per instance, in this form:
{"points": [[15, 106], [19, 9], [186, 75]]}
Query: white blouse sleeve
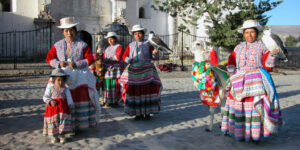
{"points": [[69, 97], [47, 96]]}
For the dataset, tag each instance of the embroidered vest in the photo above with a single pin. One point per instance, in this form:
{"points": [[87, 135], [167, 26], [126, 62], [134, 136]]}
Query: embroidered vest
{"points": [[55, 93], [249, 56], [77, 50], [141, 54], [110, 52]]}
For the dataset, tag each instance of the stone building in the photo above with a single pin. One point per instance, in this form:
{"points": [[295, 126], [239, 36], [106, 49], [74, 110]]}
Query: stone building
{"points": [[93, 15]]}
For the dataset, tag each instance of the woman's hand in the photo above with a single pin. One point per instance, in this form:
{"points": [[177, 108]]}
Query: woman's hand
{"points": [[52, 103], [155, 51], [72, 65], [63, 64], [274, 52]]}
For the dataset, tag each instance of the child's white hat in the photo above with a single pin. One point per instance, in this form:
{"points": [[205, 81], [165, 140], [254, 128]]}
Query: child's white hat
{"points": [[58, 72]]}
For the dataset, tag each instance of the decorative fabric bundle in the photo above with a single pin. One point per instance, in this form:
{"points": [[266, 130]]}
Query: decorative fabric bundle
{"points": [[78, 79], [203, 76], [204, 80], [99, 77]]}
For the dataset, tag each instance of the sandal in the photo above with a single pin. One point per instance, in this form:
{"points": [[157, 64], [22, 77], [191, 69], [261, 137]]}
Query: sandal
{"points": [[54, 140], [62, 139]]}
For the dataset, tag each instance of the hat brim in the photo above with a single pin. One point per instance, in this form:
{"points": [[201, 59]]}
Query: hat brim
{"points": [[136, 30], [111, 36], [67, 26], [59, 75], [241, 30]]}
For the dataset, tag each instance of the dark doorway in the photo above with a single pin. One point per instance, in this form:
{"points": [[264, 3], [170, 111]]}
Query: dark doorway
{"points": [[86, 37]]}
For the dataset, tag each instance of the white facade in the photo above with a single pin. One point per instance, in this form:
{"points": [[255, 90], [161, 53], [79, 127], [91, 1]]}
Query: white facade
{"points": [[21, 17], [152, 20], [87, 12], [92, 14]]}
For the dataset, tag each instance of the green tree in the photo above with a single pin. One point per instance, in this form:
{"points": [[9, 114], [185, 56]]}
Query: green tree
{"points": [[290, 41], [223, 15]]}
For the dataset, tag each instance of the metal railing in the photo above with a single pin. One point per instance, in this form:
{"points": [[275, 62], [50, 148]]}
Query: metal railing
{"points": [[180, 42], [32, 46], [25, 46]]}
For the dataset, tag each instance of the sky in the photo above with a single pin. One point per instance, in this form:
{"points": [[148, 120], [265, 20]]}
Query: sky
{"points": [[286, 13]]}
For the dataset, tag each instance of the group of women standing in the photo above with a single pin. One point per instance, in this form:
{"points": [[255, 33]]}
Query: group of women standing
{"points": [[252, 107], [139, 81]]}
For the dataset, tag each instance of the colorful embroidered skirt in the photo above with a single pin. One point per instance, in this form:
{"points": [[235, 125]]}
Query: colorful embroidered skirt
{"points": [[141, 89], [142, 100], [57, 119], [113, 71], [241, 120], [83, 113], [112, 91], [140, 73], [257, 114]]}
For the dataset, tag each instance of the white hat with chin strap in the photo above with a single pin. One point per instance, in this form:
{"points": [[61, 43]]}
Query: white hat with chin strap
{"points": [[250, 24]]}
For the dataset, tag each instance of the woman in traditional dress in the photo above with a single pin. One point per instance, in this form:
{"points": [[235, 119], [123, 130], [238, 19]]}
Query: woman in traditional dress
{"points": [[252, 107], [112, 67], [140, 81], [74, 56]]}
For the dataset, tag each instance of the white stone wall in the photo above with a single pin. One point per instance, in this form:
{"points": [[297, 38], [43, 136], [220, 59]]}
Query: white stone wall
{"points": [[92, 14], [21, 17], [121, 6], [154, 20]]}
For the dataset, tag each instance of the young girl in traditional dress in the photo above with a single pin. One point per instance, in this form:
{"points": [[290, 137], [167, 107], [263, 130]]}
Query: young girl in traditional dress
{"points": [[57, 118]]}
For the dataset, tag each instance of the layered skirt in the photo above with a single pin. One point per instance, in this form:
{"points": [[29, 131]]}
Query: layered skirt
{"points": [[112, 91], [57, 119], [83, 113], [252, 108], [141, 89], [112, 88]]}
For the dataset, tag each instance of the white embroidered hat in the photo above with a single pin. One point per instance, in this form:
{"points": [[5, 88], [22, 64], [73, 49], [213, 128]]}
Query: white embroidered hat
{"points": [[138, 27], [250, 24], [67, 22], [111, 34]]}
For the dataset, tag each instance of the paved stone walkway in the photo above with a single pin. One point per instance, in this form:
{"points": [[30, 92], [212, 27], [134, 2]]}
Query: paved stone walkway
{"points": [[179, 126]]}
